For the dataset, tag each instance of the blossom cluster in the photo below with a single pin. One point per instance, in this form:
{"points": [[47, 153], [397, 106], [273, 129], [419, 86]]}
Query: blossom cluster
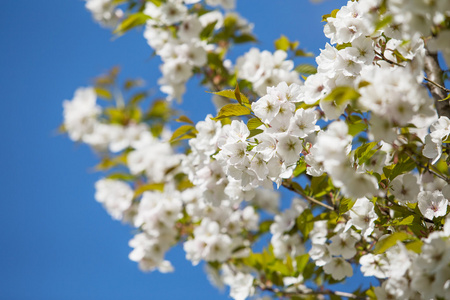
{"points": [[360, 142], [186, 50]]}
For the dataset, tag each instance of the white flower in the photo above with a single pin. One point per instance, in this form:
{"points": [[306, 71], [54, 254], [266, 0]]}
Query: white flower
{"points": [[190, 28], [432, 204], [320, 254], [303, 123], [432, 149], [80, 113], [362, 216], [241, 284], [374, 265], [289, 148], [266, 108], [104, 12], [115, 195], [405, 188], [238, 132], [343, 244], [338, 268]]}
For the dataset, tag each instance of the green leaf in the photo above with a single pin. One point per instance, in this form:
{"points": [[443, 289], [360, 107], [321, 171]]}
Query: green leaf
{"points": [[184, 184], [254, 123], [207, 31], [138, 97], [404, 165], [232, 110], [244, 38], [282, 43], [149, 187], [103, 93], [365, 152], [415, 246], [241, 98], [185, 131], [302, 261], [302, 53], [409, 220], [306, 69], [328, 215], [345, 205], [319, 186], [184, 119], [371, 294], [265, 226], [225, 93], [116, 2], [331, 15], [121, 176], [305, 222], [384, 244], [159, 109], [134, 20], [386, 20], [446, 98], [115, 115], [134, 113], [343, 46], [342, 94], [234, 94], [107, 163], [363, 84], [254, 132], [156, 2], [131, 83], [300, 169], [355, 125]]}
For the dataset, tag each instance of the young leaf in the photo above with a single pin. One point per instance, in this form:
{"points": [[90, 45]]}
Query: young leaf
{"points": [[282, 43], [306, 69], [383, 22], [207, 31], [389, 241], [149, 187], [185, 131], [365, 152], [103, 93], [302, 261], [232, 110], [184, 119], [254, 123], [345, 205], [302, 53], [244, 38], [305, 222], [138, 97], [131, 21], [342, 94], [241, 98]]}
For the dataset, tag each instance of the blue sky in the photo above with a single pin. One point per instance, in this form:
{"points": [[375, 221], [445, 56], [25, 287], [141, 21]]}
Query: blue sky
{"points": [[57, 242]]}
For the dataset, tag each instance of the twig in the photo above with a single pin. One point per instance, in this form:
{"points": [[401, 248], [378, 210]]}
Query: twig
{"points": [[305, 293], [387, 59], [441, 176], [289, 186], [437, 85]]}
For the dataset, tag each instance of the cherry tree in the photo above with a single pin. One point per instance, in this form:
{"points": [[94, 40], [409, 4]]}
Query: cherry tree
{"points": [[361, 139]]}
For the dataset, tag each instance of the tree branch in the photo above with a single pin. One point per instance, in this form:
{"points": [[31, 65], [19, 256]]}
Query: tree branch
{"points": [[289, 186], [435, 84], [305, 293], [381, 55]]}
